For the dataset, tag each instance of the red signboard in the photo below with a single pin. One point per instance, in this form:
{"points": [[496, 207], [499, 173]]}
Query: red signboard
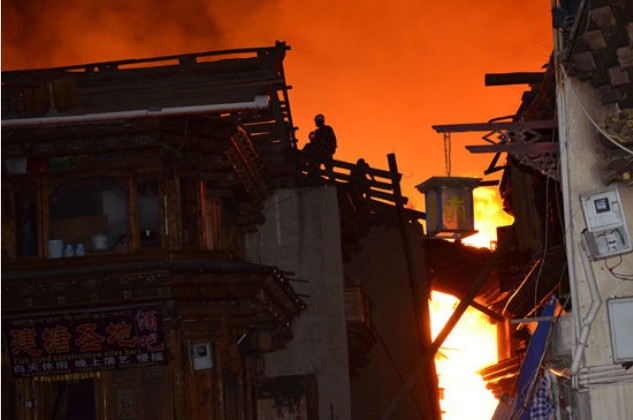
{"points": [[75, 343]]}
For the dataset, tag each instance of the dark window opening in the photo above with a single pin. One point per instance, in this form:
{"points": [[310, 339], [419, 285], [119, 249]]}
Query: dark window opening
{"points": [[149, 214], [90, 212], [27, 232]]}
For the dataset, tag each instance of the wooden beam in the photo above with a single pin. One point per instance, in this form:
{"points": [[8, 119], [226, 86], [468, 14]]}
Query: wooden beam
{"points": [[502, 79], [419, 292], [429, 354], [492, 314], [496, 126], [520, 148]]}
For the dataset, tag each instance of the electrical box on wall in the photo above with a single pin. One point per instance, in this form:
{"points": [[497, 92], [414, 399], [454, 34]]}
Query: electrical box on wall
{"points": [[607, 233], [620, 311], [201, 356]]}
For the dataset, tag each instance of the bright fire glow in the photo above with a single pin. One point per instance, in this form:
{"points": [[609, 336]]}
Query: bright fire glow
{"points": [[488, 215], [379, 72], [470, 347]]}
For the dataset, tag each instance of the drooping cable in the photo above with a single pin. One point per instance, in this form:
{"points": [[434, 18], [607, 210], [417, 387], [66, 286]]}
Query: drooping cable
{"points": [[589, 117], [545, 243], [525, 279]]}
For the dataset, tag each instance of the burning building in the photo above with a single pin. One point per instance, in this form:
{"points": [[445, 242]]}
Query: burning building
{"points": [[562, 292], [128, 187], [163, 255]]}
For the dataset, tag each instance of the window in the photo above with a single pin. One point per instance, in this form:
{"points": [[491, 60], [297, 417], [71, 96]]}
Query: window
{"points": [[190, 211], [92, 212], [26, 238], [149, 214], [211, 219], [231, 234]]}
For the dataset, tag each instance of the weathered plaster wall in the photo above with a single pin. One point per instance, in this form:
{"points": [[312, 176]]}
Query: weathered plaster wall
{"points": [[583, 171], [302, 234]]}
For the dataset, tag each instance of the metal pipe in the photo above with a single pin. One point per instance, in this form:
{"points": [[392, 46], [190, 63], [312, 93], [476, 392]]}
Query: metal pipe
{"points": [[602, 368], [533, 319], [259, 102], [606, 379], [561, 105], [591, 315], [604, 375], [551, 377], [563, 373]]}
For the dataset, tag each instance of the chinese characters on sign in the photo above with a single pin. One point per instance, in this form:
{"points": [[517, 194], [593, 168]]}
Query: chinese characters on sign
{"points": [[454, 209], [85, 342], [449, 206]]}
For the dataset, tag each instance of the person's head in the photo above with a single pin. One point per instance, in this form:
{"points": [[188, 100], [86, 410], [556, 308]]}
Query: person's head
{"points": [[319, 120], [360, 161]]}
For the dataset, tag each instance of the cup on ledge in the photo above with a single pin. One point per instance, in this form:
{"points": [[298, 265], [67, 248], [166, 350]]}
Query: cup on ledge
{"points": [[55, 248], [80, 251], [69, 251]]}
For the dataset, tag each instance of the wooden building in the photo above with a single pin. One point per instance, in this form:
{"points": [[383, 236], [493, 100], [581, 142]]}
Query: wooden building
{"points": [[127, 190], [165, 254]]}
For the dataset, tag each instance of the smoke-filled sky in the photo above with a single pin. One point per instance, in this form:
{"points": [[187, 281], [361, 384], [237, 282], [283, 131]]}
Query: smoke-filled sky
{"points": [[381, 72]]}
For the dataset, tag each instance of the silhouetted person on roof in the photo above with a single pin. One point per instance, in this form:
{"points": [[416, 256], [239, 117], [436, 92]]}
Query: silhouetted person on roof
{"points": [[320, 150], [359, 179]]}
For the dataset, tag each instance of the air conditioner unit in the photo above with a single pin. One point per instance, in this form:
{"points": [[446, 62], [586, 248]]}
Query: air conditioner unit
{"points": [[607, 233]]}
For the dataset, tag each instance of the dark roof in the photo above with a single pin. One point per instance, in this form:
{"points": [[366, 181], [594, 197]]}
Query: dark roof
{"points": [[599, 49]]}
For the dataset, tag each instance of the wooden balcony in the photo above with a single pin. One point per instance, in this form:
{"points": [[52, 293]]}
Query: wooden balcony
{"points": [[203, 294]]}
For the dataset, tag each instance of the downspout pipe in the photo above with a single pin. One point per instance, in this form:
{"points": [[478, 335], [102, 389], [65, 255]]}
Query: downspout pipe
{"points": [[562, 108], [259, 102], [585, 325]]}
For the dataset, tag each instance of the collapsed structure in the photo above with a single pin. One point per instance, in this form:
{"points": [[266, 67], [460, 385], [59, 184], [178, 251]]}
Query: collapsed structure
{"points": [[561, 296]]}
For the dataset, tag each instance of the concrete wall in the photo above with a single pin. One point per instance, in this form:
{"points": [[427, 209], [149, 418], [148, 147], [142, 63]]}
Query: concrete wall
{"points": [[581, 173], [380, 267], [302, 234]]}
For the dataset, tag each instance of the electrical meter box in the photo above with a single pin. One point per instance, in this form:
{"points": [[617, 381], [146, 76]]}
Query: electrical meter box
{"points": [[607, 233]]}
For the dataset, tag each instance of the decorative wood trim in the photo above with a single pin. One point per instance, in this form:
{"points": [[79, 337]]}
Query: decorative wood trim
{"points": [[173, 230], [133, 213], [8, 222], [48, 185]]}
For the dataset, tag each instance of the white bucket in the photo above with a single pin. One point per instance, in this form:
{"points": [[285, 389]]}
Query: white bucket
{"points": [[55, 248], [99, 242]]}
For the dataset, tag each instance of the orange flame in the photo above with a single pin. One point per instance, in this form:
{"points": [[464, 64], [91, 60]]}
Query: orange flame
{"points": [[470, 347], [488, 215]]}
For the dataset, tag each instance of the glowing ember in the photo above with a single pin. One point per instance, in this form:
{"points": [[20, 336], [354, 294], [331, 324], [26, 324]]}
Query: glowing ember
{"points": [[488, 215], [470, 347]]}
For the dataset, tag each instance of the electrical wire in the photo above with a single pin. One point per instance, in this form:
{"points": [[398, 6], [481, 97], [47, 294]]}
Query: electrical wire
{"points": [[545, 243], [619, 276], [525, 279], [584, 110]]}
